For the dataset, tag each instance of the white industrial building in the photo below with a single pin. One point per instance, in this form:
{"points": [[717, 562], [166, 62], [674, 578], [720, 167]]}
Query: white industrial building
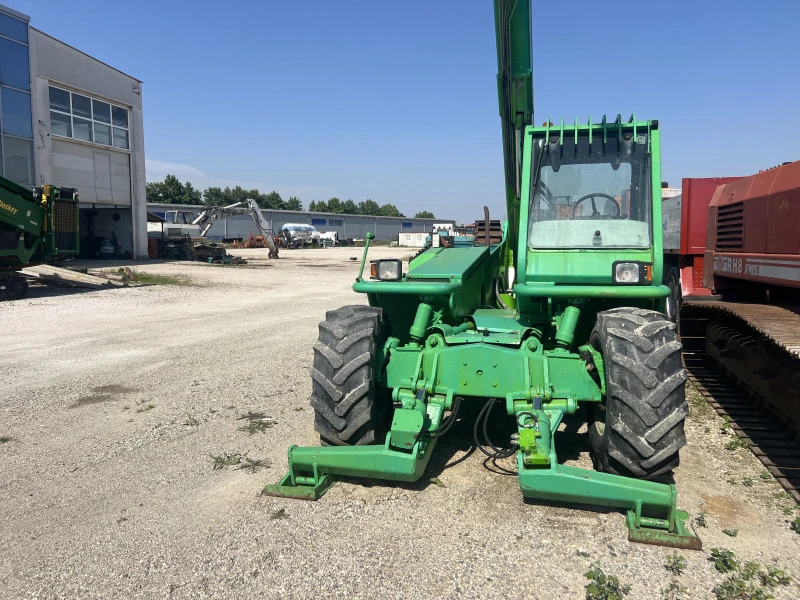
{"points": [[347, 226], [73, 121]]}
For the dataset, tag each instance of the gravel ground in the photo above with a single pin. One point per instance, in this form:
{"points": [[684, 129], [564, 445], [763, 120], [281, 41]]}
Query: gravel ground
{"points": [[114, 401]]}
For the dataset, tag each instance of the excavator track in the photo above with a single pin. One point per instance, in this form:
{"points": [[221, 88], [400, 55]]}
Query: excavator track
{"points": [[778, 324], [745, 360]]}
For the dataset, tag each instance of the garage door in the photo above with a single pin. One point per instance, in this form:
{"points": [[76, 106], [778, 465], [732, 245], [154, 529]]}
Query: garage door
{"points": [[101, 176]]}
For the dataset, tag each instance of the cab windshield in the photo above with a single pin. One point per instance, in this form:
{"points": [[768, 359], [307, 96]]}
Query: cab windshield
{"points": [[590, 195]]}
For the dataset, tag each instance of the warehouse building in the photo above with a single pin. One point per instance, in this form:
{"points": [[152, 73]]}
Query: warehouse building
{"points": [[72, 121], [347, 226]]}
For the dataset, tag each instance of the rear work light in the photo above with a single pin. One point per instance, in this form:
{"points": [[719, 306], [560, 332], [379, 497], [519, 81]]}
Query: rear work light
{"points": [[632, 273], [386, 270]]}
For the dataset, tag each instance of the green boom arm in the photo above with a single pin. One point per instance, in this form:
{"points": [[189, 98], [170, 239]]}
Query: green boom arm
{"points": [[512, 20]]}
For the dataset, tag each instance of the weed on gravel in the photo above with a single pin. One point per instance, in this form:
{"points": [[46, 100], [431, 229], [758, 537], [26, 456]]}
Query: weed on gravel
{"points": [[253, 464], [697, 403], [221, 461], [773, 577], [796, 525], [145, 408], [5, 439], [191, 421], [700, 519], [751, 583], [731, 532], [256, 422], [604, 587], [676, 564], [736, 442], [674, 591], [257, 426], [240, 461], [251, 415], [279, 513], [724, 560]]}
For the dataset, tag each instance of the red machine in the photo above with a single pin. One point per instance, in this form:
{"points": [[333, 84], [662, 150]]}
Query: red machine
{"points": [[684, 219], [732, 259], [754, 234]]}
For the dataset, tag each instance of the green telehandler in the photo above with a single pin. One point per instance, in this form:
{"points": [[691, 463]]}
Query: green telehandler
{"points": [[36, 226], [556, 311]]}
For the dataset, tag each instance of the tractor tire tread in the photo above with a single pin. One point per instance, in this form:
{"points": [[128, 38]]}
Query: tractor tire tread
{"points": [[645, 399], [343, 391]]}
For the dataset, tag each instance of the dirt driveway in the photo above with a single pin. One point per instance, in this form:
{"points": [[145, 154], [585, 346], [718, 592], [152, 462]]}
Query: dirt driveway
{"points": [[112, 404]]}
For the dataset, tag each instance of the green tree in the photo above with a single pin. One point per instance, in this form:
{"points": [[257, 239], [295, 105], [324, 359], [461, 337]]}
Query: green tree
{"points": [[321, 206], [172, 191], [294, 203], [312, 206], [274, 200], [238, 194], [334, 205], [257, 196], [154, 190], [349, 207], [213, 196], [191, 195], [424, 214], [369, 207], [389, 210]]}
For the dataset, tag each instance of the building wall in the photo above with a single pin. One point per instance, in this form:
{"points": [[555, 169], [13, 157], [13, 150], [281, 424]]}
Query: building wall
{"points": [[348, 226], [109, 177]]}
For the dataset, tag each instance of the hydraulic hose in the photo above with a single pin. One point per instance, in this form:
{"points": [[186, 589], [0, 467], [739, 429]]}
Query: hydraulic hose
{"points": [[447, 424], [482, 421]]}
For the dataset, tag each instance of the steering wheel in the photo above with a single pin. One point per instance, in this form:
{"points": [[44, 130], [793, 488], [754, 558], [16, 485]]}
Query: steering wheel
{"points": [[596, 214]]}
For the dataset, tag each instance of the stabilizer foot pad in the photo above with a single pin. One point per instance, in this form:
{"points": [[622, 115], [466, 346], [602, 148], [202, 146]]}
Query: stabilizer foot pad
{"points": [[681, 538], [285, 489]]}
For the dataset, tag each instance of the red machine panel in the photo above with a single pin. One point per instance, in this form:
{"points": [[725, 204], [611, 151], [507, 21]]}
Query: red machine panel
{"points": [[754, 230], [696, 195]]}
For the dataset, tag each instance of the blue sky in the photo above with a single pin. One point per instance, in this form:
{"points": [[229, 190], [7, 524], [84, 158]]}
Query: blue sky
{"points": [[396, 101]]}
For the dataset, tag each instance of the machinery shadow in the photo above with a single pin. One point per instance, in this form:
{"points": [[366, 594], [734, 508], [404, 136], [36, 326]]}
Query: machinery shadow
{"points": [[37, 292]]}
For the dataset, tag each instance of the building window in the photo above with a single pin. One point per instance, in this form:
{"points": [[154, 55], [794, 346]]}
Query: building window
{"points": [[335, 222], [14, 69], [13, 28], [16, 124], [16, 115], [18, 160], [82, 118], [318, 221]]}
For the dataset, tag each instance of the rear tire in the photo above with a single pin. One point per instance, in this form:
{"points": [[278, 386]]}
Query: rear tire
{"points": [[641, 430], [349, 410], [675, 298], [16, 287]]}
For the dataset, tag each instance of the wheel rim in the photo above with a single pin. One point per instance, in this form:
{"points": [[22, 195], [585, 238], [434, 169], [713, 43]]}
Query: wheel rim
{"points": [[671, 304]]}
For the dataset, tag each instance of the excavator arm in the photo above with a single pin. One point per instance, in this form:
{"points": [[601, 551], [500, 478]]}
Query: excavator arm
{"points": [[514, 93], [249, 207]]}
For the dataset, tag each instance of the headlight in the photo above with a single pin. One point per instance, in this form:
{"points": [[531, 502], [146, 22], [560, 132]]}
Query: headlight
{"points": [[627, 272], [386, 270]]}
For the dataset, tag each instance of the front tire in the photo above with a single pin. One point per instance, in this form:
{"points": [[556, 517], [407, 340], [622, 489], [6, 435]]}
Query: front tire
{"points": [[349, 410], [641, 430]]}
